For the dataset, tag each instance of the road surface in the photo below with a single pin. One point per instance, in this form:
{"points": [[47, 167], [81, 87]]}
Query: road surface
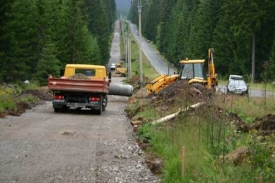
{"points": [[156, 60], [75, 146]]}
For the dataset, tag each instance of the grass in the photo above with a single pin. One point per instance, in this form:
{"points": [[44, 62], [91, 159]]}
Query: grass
{"points": [[9, 96], [148, 70], [195, 132], [247, 107], [207, 138], [6, 98]]}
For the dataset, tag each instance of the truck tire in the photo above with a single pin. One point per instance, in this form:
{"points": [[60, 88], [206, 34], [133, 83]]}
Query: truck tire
{"points": [[99, 111], [105, 102], [56, 110]]}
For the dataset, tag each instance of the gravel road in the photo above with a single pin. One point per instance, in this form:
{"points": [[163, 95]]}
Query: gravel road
{"points": [[74, 146]]}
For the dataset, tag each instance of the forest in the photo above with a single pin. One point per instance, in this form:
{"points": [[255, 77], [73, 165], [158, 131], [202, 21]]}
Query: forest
{"points": [[40, 37], [242, 33]]}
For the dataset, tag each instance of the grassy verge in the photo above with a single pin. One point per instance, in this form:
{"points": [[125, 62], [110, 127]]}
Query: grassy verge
{"points": [[208, 135], [12, 95], [148, 70], [207, 138]]}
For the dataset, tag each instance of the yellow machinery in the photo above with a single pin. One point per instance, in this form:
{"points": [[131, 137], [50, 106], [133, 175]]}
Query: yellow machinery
{"points": [[162, 81], [120, 69], [190, 70]]}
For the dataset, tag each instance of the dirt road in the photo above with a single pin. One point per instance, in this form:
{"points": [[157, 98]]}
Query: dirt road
{"points": [[75, 146]]}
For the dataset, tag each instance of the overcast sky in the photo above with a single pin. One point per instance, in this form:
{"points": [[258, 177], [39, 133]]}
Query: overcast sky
{"points": [[123, 4]]}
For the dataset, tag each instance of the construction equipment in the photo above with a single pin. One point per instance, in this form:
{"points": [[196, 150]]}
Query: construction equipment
{"points": [[190, 70], [82, 86], [120, 69]]}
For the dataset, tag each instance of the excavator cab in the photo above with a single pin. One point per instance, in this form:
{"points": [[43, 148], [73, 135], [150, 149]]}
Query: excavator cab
{"points": [[192, 71]]}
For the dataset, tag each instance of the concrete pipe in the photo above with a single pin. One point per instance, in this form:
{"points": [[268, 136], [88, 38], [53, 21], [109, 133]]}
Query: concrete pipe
{"points": [[121, 89]]}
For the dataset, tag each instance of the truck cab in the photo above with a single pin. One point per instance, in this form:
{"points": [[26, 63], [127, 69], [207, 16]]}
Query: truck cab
{"points": [[91, 71]]}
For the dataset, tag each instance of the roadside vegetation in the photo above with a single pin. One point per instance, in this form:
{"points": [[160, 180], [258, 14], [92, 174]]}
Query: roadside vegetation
{"points": [[54, 34], [221, 140], [16, 99]]}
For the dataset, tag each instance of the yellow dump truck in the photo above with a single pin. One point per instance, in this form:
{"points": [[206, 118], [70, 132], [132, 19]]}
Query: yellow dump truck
{"points": [[82, 86]]}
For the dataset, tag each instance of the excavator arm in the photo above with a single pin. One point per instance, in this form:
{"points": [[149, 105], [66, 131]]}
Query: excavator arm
{"points": [[212, 80]]}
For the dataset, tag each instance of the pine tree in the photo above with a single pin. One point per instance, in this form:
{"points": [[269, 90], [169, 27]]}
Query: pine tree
{"points": [[5, 39], [24, 51], [48, 64], [98, 26]]}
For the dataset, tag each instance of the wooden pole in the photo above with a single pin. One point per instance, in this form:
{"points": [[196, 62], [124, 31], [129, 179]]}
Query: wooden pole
{"points": [[182, 161]]}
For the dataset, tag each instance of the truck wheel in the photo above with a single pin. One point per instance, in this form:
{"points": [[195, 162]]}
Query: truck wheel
{"points": [[105, 101], [99, 111], [56, 110]]}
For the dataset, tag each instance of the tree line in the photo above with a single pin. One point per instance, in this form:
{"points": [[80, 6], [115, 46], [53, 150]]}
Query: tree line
{"points": [[40, 37], [242, 33]]}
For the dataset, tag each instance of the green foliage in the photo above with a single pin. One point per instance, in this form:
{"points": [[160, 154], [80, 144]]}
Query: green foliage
{"points": [[146, 131], [272, 60], [206, 142], [261, 161], [35, 31], [183, 28], [6, 98], [47, 65]]}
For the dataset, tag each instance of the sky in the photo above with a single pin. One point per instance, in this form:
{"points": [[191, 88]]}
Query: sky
{"points": [[123, 4]]}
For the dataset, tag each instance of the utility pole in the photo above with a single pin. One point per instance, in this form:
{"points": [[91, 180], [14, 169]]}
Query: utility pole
{"points": [[129, 57], [140, 44]]}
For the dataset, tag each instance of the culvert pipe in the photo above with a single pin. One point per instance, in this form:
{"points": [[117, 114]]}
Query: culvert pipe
{"points": [[121, 89]]}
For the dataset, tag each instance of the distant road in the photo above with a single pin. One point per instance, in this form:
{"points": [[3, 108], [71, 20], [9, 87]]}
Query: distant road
{"points": [[251, 92], [157, 61]]}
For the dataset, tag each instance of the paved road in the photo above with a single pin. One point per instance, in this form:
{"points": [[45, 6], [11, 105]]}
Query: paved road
{"points": [[251, 92], [157, 61]]}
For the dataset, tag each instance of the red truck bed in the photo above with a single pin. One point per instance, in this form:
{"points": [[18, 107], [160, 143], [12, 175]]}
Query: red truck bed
{"points": [[78, 85]]}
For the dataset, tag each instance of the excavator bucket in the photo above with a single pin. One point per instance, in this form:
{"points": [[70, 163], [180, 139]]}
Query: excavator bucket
{"points": [[159, 83]]}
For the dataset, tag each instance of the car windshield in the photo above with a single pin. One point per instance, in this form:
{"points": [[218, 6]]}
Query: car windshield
{"points": [[237, 83]]}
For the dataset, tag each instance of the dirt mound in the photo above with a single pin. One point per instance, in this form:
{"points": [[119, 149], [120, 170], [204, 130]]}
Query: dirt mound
{"points": [[265, 125], [79, 76]]}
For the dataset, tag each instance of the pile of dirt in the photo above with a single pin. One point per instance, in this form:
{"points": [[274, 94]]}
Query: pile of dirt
{"points": [[265, 125], [79, 76]]}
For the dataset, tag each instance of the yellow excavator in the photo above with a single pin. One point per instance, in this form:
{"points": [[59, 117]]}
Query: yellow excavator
{"points": [[190, 70]]}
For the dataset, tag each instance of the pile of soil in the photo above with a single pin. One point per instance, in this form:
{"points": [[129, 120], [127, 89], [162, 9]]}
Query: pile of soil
{"points": [[79, 76]]}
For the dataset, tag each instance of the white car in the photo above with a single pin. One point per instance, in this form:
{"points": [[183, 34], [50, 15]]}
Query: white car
{"points": [[113, 66], [237, 85]]}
